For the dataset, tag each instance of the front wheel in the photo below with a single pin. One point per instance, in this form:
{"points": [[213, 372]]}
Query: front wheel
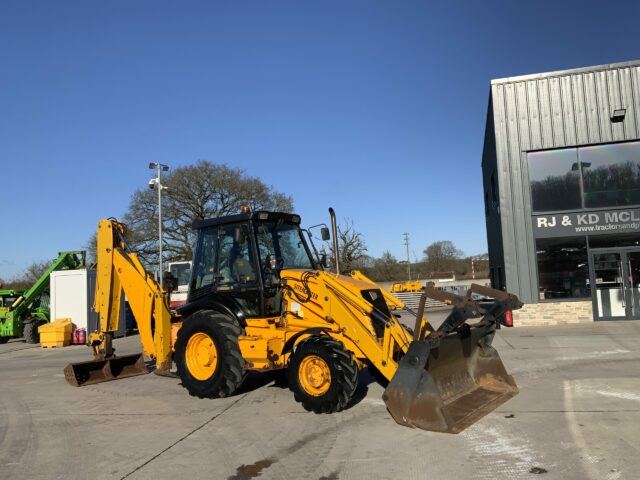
{"points": [[30, 330], [207, 355], [4, 340], [322, 374]]}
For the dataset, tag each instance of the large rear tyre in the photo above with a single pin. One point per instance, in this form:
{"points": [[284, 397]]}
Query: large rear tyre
{"points": [[30, 331], [207, 355], [4, 340], [322, 374]]}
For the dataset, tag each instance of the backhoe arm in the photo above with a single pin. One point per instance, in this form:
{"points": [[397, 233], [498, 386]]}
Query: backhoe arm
{"points": [[120, 271]]}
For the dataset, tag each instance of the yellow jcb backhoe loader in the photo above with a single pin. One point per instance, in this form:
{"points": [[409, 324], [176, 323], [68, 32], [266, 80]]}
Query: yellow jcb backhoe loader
{"points": [[260, 300]]}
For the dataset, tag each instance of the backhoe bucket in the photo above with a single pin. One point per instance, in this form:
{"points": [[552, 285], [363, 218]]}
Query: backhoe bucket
{"points": [[98, 371], [450, 386]]}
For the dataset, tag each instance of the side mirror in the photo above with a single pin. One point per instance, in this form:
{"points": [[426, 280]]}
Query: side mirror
{"points": [[324, 232]]}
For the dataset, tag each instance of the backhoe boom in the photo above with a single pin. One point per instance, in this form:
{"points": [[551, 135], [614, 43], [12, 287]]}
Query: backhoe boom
{"points": [[120, 271]]}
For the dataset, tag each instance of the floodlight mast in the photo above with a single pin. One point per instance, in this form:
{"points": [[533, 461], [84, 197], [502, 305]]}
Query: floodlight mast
{"points": [[159, 167]]}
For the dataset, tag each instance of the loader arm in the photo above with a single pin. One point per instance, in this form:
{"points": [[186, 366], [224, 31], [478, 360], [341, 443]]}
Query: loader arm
{"points": [[65, 261], [120, 271], [24, 309], [338, 302]]}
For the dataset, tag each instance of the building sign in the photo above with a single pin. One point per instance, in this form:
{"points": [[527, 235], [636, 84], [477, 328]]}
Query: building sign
{"points": [[586, 223]]}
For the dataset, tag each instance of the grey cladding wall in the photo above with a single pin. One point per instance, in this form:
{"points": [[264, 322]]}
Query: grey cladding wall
{"points": [[546, 111]]}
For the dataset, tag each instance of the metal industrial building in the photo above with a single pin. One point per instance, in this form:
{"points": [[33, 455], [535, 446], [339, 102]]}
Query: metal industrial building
{"points": [[561, 177]]}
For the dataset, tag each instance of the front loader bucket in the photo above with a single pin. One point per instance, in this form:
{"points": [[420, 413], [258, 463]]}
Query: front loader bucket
{"points": [[98, 371], [451, 386]]}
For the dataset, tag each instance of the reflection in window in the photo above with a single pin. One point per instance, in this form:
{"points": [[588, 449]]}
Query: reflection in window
{"points": [[181, 272], [235, 268], [611, 174], [614, 241], [555, 180], [563, 270]]}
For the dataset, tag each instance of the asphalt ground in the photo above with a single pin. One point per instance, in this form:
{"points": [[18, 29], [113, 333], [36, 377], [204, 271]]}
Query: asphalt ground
{"points": [[577, 417]]}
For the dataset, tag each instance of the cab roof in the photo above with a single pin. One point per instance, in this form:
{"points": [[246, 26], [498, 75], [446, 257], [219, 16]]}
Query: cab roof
{"points": [[260, 216]]}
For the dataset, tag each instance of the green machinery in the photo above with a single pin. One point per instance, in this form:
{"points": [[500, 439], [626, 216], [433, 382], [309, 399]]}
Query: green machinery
{"points": [[22, 312]]}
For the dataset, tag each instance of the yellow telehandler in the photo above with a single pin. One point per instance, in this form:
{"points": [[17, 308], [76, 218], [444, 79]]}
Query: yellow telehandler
{"points": [[261, 299]]}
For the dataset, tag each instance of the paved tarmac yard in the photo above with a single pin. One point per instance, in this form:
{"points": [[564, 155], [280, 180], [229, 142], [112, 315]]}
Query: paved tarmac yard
{"points": [[577, 417]]}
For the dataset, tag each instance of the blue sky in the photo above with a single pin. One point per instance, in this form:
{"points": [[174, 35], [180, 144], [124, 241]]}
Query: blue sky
{"points": [[376, 108]]}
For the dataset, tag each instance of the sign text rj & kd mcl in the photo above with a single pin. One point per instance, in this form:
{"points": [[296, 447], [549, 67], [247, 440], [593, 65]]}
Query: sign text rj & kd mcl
{"points": [[587, 223]]}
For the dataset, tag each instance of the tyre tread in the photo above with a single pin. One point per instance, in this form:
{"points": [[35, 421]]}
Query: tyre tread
{"points": [[344, 365], [233, 375]]}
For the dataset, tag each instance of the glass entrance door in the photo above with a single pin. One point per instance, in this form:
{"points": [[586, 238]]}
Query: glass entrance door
{"points": [[616, 277], [633, 275]]}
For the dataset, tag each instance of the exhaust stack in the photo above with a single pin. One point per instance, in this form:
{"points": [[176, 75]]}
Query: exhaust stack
{"points": [[334, 232]]}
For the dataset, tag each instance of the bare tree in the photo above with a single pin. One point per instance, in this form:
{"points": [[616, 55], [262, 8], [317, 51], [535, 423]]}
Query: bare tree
{"points": [[441, 256], [351, 245], [386, 268], [195, 192], [26, 279], [91, 246]]}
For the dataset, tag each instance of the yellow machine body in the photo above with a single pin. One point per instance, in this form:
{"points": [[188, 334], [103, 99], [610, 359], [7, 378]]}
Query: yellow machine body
{"points": [[320, 311], [334, 307], [408, 286]]}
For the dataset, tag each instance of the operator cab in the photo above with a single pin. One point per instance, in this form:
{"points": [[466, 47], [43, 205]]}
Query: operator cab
{"points": [[238, 260], [8, 297]]}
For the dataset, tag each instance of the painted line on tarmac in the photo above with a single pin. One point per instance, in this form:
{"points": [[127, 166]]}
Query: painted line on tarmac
{"points": [[184, 437], [617, 410], [620, 395], [589, 457], [586, 458]]}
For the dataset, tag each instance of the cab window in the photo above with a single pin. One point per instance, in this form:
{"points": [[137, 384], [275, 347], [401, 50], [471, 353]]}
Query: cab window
{"points": [[236, 266], [204, 268]]}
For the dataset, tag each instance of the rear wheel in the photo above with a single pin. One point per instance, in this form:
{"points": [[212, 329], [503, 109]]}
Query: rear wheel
{"points": [[322, 374], [4, 340], [30, 330], [207, 355]]}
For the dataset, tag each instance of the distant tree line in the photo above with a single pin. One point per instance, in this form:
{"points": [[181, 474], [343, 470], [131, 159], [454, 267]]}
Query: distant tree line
{"points": [[25, 279], [439, 257]]}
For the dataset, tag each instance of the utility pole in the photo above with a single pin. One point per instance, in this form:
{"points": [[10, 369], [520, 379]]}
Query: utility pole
{"points": [[406, 244], [160, 167]]}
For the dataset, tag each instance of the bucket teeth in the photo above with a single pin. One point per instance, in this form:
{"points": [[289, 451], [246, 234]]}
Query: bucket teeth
{"points": [[98, 371]]}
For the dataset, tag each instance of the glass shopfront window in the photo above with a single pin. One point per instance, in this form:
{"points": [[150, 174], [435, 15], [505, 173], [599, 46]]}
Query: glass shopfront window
{"points": [[599, 176], [555, 180], [611, 175], [614, 241], [563, 268]]}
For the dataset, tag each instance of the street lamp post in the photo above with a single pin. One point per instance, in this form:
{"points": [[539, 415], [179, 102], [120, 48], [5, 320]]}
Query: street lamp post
{"points": [[160, 167]]}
